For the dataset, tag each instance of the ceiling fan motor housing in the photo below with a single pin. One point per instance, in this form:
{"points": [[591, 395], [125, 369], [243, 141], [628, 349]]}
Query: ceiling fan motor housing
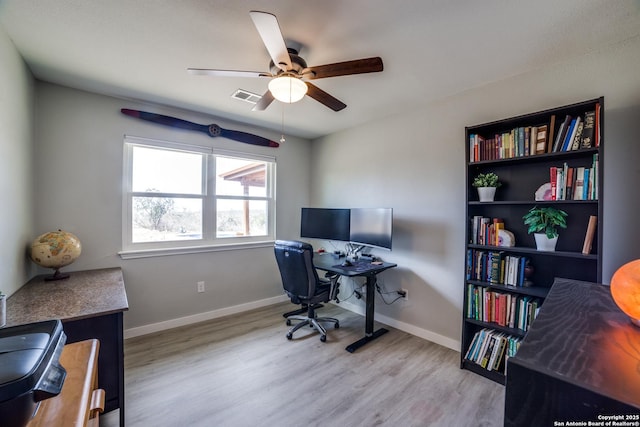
{"points": [[297, 64]]}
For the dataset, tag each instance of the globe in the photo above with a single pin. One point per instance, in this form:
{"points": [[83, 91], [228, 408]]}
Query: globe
{"points": [[55, 249]]}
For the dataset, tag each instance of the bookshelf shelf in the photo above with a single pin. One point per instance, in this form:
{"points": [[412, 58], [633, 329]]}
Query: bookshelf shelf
{"points": [[563, 155], [527, 250], [492, 375], [511, 331], [496, 311], [537, 202], [535, 291]]}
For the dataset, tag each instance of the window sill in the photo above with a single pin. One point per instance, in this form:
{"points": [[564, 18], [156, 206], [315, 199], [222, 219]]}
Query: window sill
{"points": [[149, 253]]}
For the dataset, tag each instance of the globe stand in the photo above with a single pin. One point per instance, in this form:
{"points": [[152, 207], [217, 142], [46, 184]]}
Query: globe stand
{"points": [[56, 276]]}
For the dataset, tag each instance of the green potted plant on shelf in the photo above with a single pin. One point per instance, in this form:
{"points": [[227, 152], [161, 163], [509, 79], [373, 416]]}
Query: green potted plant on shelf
{"points": [[544, 223], [486, 183]]}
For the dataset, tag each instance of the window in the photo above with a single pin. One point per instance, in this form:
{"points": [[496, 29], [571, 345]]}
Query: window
{"points": [[181, 197]]}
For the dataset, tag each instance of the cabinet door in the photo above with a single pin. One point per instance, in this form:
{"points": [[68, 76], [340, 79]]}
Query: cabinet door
{"points": [[107, 329]]}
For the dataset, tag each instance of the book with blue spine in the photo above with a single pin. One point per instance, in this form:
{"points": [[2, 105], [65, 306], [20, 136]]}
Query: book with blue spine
{"points": [[567, 139]]}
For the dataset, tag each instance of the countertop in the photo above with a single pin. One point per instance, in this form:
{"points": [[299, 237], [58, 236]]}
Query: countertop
{"points": [[85, 294]]}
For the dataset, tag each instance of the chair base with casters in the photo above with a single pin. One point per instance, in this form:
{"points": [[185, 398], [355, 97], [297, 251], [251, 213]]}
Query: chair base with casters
{"points": [[331, 281], [312, 320]]}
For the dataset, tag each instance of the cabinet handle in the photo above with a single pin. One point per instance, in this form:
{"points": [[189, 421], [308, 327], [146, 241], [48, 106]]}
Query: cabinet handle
{"points": [[97, 402]]}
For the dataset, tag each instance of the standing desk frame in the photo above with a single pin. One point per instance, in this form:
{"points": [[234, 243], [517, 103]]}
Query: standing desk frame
{"points": [[327, 262]]}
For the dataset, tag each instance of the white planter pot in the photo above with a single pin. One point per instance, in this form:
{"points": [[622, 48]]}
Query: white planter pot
{"points": [[486, 194], [543, 243]]}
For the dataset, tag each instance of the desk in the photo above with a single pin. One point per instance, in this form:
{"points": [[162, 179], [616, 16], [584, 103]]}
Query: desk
{"points": [[578, 361], [90, 305], [327, 262]]}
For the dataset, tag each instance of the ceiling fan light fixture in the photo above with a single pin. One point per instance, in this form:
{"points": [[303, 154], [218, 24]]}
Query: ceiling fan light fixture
{"points": [[287, 89]]}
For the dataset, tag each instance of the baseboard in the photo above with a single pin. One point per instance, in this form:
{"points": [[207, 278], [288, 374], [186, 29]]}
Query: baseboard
{"points": [[201, 317], [406, 327]]}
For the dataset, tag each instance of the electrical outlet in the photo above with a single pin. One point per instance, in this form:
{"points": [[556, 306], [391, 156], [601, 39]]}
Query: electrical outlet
{"points": [[404, 294], [200, 286]]}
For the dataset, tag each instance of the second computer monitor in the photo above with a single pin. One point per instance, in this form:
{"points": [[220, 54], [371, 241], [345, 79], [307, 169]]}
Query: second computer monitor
{"points": [[372, 227]]}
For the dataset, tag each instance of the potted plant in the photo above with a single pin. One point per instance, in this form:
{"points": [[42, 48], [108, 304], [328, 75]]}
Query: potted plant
{"points": [[486, 183], [544, 223]]}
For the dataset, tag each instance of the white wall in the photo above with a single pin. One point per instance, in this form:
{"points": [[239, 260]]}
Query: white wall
{"points": [[415, 163], [16, 179], [78, 166]]}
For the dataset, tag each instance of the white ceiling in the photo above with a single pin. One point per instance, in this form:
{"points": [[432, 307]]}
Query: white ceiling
{"points": [[431, 49]]}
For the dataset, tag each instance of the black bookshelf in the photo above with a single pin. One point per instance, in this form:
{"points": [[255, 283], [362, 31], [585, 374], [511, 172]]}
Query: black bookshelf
{"points": [[521, 176]]}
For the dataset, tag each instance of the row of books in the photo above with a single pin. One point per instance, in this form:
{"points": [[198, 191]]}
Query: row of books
{"points": [[575, 183], [578, 132], [572, 133], [496, 267], [503, 308], [486, 231], [518, 142], [491, 349]]}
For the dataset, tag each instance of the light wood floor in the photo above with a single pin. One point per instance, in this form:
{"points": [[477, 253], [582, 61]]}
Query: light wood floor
{"points": [[242, 371]]}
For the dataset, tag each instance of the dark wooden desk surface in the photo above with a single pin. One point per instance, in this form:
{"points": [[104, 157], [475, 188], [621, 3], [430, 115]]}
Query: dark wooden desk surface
{"points": [[328, 262], [580, 359]]}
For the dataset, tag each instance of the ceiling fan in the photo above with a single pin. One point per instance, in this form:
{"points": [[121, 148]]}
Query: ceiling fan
{"points": [[289, 73]]}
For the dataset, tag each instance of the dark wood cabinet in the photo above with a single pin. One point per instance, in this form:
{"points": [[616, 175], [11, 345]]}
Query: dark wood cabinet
{"points": [[108, 330], [578, 362], [91, 305], [521, 176]]}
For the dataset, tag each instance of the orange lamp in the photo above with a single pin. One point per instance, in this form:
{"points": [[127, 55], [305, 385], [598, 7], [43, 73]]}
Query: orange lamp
{"points": [[625, 290]]}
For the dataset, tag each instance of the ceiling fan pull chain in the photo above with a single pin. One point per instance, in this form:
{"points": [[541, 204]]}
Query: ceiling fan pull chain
{"points": [[282, 140]]}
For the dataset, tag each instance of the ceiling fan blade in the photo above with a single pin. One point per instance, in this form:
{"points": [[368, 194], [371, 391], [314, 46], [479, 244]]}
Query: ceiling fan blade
{"points": [[269, 30], [264, 102], [358, 66], [324, 98], [212, 130], [226, 73]]}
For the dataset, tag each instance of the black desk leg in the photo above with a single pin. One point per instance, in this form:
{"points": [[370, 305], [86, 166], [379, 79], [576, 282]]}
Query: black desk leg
{"points": [[369, 334]]}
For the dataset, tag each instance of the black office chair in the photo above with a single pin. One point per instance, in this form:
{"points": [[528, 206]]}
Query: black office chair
{"points": [[302, 284]]}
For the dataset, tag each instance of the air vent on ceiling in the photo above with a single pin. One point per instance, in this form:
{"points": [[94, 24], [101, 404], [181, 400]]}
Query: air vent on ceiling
{"points": [[244, 95]]}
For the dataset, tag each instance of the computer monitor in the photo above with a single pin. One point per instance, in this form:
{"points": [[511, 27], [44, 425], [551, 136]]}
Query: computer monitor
{"points": [[372, 227], [327, 224]]}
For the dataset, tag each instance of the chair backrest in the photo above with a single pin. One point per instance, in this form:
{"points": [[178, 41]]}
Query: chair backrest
{"points": [[295, 261]]}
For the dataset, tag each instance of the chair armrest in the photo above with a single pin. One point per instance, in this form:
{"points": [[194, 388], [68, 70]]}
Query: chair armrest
{"points": [[335, 286]]}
